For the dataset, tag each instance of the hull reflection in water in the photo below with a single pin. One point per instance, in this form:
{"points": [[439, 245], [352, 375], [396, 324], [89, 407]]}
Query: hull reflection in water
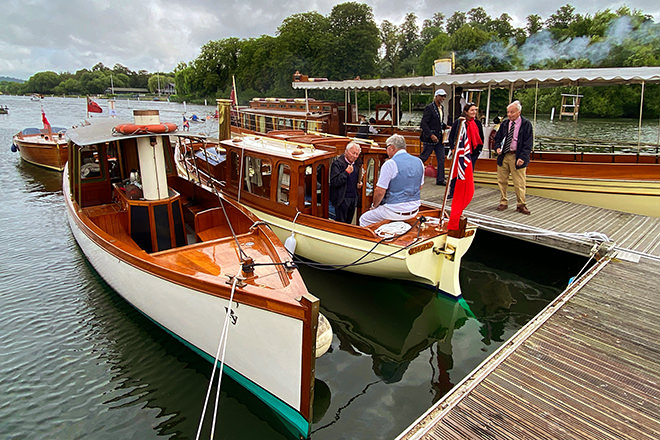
{"points": [[386, 320]]}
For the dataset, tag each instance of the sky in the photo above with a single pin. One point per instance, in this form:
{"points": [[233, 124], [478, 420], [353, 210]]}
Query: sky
{"points": [[157, 35]]}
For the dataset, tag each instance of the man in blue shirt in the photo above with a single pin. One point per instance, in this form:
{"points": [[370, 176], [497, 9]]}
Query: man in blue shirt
{"points": [[397, 192]]}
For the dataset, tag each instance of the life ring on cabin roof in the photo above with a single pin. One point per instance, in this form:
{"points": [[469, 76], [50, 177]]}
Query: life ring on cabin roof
{"points": [[131, 129]]}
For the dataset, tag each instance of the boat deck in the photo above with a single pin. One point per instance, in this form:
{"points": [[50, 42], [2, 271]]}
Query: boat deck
{"points": [[586, 367]]}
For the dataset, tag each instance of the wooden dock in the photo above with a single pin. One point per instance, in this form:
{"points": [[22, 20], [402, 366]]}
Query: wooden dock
{"points": [[586, 367]]}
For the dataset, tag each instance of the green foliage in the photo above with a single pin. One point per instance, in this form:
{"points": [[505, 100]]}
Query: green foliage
{"points": [[348, 43]]}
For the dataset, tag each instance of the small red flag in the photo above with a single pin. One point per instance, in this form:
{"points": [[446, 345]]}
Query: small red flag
{"points": [[93, 107], [232, 96], [45, 120]]}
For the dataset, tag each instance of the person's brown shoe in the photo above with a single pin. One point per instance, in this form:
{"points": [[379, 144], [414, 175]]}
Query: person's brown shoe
{"points": [[501, 207], [523, 209]]}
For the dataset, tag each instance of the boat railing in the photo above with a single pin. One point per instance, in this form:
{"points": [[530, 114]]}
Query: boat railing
{"points": [[553, 143]]}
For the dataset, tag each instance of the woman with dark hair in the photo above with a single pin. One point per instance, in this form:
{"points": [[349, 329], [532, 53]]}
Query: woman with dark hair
{"points": [[475, 133]]}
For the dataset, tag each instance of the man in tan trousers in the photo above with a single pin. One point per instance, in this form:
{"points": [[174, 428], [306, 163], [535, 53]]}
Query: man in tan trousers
{"points": [[514, 141]]}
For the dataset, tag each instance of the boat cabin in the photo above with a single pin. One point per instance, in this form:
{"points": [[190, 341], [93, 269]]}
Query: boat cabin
{"points": [[287, 174], [128, 186], [266, 114]]}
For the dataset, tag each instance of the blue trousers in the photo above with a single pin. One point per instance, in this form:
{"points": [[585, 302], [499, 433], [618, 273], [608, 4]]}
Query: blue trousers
{"points": [[439, 150]]}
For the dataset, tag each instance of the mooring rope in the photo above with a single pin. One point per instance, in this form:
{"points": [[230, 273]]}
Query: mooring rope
{"points": [[221, 344]]}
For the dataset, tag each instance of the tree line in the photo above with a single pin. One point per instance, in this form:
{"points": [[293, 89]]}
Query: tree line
{"points": [[348, 43], [94, 81]]}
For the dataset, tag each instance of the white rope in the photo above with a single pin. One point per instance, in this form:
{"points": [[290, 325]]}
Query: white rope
{"points": [[392, 229], [505, 228], [222, 343]]}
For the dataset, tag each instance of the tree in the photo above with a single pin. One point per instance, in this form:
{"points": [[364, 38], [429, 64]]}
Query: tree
{"points": [[455, 22], [431, 28], [559, 22], [411, 45], [391, 44], [479, 18], [437, 48], [355, 41], [534, 24], [43, 82]]}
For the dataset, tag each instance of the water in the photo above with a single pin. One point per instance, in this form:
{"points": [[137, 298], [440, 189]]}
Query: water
{"points": [[79, 362]]}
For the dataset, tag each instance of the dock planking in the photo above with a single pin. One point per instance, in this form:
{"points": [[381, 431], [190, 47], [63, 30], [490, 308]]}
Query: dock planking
{"points": [[556, 223], [586, 367]]}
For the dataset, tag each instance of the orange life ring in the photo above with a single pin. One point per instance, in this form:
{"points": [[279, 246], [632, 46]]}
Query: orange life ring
{"points": [[131, 129]]}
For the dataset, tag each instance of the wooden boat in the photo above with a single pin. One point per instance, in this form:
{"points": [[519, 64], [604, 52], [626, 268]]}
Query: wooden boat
{"points": [[46, 147], [4, 110], [284, 180], [188, 259]]}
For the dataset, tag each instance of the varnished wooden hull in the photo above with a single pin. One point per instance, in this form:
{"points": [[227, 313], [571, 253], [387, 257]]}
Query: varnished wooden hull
{"points": [[35, 149], [628, 187], [271, 333]]}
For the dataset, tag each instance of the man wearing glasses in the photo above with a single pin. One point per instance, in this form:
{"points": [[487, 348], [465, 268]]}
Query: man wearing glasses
{"points": [[397, 192]]}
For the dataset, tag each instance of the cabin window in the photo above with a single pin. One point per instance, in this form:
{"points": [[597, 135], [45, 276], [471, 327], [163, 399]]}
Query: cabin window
{"points": [[283, 183], [321, 177], [310, 185], [235, 165], [90, 164], [257, 174], [371, 172]]}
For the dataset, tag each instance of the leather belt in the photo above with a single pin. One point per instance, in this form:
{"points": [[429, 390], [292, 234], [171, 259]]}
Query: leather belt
{"points": [[403, 214]]}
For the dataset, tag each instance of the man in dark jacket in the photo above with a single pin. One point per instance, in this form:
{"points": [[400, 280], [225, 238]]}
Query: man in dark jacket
{"points": [[345, 183], [432, 126], [513, 143]]}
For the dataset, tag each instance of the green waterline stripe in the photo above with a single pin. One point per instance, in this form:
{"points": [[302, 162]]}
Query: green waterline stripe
{"points": [[293, 419]]}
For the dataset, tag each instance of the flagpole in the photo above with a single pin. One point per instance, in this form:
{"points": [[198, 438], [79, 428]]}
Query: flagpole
{"points": [[453, 166], [87, 105]]}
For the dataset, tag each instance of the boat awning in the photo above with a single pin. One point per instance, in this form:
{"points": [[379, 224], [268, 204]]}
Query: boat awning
{"points": [[100, 131], [515, 79]]}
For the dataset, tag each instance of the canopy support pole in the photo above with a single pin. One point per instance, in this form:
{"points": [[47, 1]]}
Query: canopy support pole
{"points": [[488, 105], [398, 107], [357, 112], [536, 100], [369, 100], [510, 93], [639, 128]]}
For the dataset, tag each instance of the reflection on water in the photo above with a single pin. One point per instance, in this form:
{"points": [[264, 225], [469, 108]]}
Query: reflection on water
{"points": [[79, 362]]}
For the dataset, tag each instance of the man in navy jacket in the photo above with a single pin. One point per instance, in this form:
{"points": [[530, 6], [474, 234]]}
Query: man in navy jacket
{"points": [[432, 126], [513, 142]]}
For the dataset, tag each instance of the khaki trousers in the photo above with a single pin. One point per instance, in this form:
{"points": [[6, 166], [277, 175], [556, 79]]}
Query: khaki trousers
{"points": [[519, 177]]}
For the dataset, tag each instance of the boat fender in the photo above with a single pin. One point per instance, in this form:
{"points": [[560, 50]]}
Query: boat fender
{"points": [[323, 336], [290, 244], [14, 148]]}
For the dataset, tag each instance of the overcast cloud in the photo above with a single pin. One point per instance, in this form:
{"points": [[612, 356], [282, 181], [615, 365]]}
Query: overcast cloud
{"points": [[156, 35]]}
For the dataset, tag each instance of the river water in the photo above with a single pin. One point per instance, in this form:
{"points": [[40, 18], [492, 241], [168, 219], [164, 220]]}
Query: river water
{"points": [[79, 362]]}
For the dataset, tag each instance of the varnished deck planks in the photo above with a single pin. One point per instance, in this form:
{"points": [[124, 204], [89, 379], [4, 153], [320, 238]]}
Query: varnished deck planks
{"points": [[588, 367]]}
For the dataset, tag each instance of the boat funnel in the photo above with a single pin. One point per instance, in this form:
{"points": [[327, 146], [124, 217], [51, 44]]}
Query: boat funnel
{"points": [[151, 157]]}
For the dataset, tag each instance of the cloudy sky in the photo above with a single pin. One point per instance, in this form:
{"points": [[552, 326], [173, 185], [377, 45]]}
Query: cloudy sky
{"points": [[156, 35]]}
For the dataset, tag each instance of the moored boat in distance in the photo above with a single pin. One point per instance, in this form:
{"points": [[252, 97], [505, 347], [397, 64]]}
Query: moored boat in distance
{"points": [[284, 180], [45, 147], [189, 260]]}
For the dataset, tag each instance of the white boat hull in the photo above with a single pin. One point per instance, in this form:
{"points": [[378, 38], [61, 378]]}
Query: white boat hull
{"points": [[264, 348], [419, 263]]}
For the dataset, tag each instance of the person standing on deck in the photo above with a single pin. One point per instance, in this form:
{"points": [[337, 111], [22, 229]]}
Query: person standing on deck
{"points": [[432, 126], [475, 131], [345, 183], [514, 141], [397, 192]]}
